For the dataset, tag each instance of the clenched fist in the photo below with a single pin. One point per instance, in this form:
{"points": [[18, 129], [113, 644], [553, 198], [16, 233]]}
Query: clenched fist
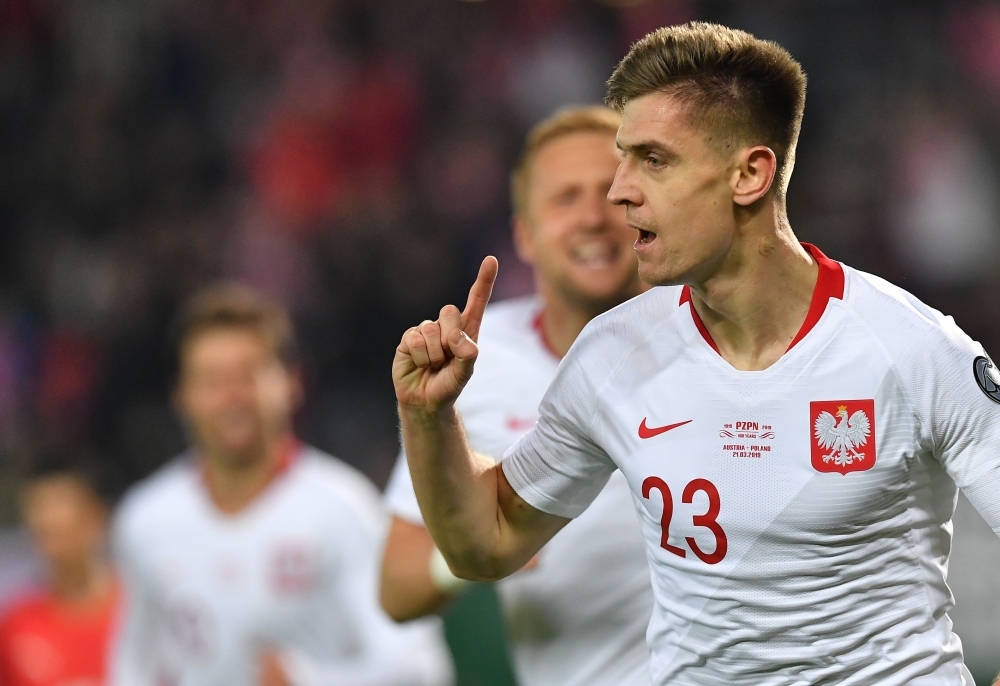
{"points": [[434, 360]]}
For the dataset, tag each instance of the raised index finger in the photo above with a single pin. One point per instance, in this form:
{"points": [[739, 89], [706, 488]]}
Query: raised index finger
{"points": [[479, 296]]}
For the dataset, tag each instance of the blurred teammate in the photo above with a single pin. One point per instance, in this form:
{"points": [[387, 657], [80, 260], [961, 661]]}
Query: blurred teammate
{"points": [[254, 559], [568, 625], [60, 635], [793, 430]]}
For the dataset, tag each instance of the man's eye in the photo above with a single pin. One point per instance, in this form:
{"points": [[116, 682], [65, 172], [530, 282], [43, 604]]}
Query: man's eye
{"points": [[654, 161]]}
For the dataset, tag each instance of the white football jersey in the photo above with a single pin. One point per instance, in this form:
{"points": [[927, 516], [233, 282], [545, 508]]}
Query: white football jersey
{"points": [[580, 617], [296, 571], [798, 519]]}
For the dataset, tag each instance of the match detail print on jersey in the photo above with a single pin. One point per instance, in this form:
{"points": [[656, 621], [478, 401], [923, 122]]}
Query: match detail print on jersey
{"points": [[988, 377], [843, 435], [651, 431], [747, 439]]}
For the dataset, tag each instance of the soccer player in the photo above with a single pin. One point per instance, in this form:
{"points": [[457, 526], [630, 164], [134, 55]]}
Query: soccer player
{"points": [[794, 431], [254, 559], [60, 634], [567, 625]]}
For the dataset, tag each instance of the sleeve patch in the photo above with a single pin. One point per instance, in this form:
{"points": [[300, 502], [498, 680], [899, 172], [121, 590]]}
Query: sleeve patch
{"points": [[987, 377]]}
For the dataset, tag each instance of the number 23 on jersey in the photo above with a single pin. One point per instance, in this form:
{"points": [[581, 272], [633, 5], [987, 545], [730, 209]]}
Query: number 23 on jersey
{"points": [[707, 520]]}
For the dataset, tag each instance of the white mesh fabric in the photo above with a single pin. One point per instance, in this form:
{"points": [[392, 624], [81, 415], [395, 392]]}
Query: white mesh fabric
{"points": [[934, 362], [558, 467]]}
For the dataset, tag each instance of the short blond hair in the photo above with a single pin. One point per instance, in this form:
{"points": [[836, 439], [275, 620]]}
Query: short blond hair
{"points": [[229, 305], [747, 90], [570, 120]]}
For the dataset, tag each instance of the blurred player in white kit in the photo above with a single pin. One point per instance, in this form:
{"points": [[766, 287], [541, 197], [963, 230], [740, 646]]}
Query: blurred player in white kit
{"points": [[578, 614], [252, 559]]}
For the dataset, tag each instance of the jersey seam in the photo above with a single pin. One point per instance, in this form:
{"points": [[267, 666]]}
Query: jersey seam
{"points": [[893, 367], [911, 545], [599, 392]]}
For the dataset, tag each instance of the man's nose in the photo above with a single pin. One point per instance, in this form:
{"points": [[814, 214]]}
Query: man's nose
{"points": [[624, 190]]}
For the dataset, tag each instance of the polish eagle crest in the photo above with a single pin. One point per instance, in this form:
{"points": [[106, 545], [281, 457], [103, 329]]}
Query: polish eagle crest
{"points": [[842, 438]]}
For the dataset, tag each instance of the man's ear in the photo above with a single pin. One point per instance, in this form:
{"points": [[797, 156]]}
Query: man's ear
{"points": [[754, 174], [524, 242]]}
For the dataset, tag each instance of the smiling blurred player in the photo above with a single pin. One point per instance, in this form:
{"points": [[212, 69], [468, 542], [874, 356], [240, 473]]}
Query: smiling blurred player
{"points": [[254, 559], [567, 624], [793, 430]]}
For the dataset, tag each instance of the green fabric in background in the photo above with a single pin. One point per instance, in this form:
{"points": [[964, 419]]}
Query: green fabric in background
{"points": [[983, 679], [475, 634]]}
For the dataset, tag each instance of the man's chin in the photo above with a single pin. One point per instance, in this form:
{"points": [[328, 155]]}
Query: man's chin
{"points": [[598, 299], [653, 276], [237, 454]]}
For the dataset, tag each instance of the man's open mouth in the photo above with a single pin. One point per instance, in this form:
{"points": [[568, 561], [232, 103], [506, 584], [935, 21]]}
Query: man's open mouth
{"points": [[646, 237]]}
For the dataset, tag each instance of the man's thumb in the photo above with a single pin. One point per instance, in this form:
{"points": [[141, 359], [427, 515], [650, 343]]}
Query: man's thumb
{"points": [[462, 346]]}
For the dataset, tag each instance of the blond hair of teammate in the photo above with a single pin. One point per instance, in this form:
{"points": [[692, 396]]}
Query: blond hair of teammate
{"points": [[560, 124]]}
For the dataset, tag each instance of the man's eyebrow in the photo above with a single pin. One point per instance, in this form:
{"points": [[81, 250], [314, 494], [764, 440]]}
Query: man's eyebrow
{"points": [[644, 147]]}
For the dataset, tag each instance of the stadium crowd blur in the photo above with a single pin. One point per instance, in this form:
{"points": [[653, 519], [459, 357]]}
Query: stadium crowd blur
{"points": [[350, 157]]}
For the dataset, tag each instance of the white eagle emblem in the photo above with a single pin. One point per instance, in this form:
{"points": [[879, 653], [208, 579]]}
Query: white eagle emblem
{"points": [[841, 438]]}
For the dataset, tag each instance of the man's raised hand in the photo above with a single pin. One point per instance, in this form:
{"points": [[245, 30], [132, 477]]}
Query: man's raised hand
{"points": [[434, 360]]}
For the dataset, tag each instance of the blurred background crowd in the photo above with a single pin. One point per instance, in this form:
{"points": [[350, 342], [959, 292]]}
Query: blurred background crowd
{"points": [[350, 158]]}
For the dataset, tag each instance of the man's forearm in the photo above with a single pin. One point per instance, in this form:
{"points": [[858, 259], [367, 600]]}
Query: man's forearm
{"points": [[457, 492], [407, 589], [482, 527]]}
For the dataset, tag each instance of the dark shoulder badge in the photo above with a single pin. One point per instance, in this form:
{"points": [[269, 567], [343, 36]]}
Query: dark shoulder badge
{"points": [[988, 377]]}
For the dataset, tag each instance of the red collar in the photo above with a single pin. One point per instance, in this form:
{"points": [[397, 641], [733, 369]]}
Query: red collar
{"points": [[289, 453], [829, 284], [540, 330], [291, 450]]}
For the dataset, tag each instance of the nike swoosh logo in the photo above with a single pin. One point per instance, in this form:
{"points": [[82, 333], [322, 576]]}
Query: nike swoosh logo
{"points": [[520, 423], [649, 432]]}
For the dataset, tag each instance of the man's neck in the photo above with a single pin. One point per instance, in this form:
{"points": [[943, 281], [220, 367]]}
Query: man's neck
{"points": [[756, 302], [234, 484], [561, 323], [82, 583], [562, 320]]}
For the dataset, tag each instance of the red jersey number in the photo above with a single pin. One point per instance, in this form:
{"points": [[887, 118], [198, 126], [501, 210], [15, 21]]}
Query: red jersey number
{"points": [[707, 520], [668, 512]]}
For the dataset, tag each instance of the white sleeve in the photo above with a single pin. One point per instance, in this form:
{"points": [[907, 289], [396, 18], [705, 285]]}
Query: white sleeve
{"points": [[962, 404], [383, 653], [558, 467], [936, 362], [132, 656], [400, 498]]}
